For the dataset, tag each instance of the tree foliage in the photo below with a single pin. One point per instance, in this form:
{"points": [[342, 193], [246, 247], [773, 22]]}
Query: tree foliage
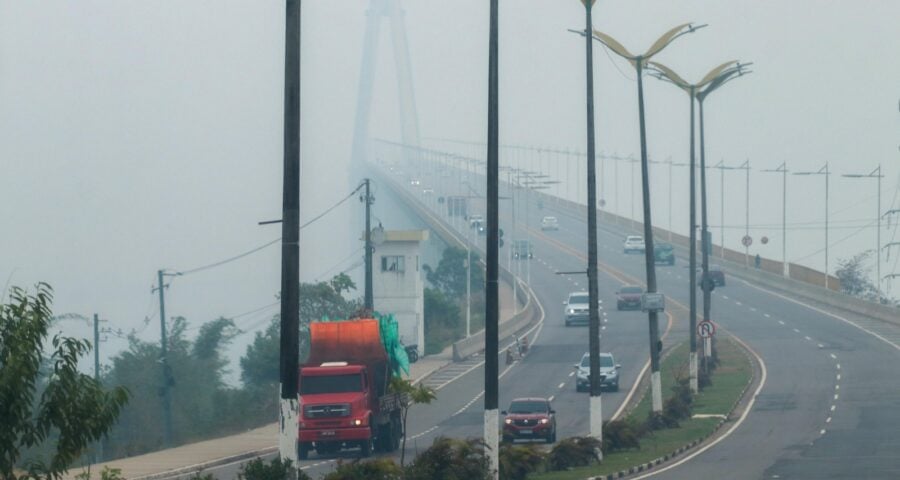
{"points": [[410, 395], [451, 459], [450, 274], [854, 276], [73, 409]]}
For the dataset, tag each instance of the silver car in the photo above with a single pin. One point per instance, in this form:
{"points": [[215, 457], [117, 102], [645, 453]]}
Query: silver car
{"points": [[609, 373], [576, 308]]}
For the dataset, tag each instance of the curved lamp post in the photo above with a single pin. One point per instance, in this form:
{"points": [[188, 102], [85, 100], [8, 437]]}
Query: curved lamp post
{"points": [[639, 62], [716, 77]]}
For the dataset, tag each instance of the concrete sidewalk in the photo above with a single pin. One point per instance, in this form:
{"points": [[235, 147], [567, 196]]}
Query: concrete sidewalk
{"points": [[193, 457]]}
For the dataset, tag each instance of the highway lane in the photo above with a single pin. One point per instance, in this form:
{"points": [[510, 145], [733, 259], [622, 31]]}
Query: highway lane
{"points": [[808, 422]]}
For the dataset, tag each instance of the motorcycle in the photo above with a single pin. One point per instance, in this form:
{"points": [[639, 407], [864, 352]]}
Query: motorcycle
{"points": [[412, 352]]}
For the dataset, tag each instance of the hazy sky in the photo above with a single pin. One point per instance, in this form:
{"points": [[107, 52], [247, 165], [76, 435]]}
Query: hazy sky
{"points": [[138, 135]]}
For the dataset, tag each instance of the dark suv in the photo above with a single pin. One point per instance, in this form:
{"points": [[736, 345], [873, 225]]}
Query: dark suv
{"points": [[716, 275], [664, 254], [529, 418], [629, 297]]}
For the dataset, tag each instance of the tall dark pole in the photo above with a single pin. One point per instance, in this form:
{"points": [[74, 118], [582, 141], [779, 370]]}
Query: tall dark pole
{"points": [[369, 298], [596, 411], [693, 255], [492, 306], [705, 283], [290, 236], [164, 362], [98, 455], [655, 385]]}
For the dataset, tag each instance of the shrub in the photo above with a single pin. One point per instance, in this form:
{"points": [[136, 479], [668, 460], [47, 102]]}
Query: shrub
{"points": [[277, 469], [574, 452], [517, 461], [451, 459], [380, 469], [620, 435]]}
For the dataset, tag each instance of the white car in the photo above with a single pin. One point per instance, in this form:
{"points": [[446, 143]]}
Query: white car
{"points": [[549, 223], [634, 244]]}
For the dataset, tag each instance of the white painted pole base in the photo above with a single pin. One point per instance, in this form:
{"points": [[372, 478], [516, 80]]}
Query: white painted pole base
{"points": [[656, 391], [492, 442], [287, 430], [596, 419], [695, 387]]}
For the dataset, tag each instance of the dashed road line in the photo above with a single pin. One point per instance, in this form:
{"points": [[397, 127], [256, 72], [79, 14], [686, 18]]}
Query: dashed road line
{"points": [[561, 385], [833, 356], [781, 322]]}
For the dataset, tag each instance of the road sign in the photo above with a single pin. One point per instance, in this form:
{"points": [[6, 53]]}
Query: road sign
{"points": [[653, 302], [706, 329], [747, 240], [764, 240]]}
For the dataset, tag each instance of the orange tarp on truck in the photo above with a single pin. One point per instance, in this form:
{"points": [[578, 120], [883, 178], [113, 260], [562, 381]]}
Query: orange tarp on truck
{"points": [[353, 341]]}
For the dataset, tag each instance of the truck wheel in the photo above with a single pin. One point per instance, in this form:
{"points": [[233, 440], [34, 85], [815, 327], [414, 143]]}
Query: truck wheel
{"points": [[303, 451]]}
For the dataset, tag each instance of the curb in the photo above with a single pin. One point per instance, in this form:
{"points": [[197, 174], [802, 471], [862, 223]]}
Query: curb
{"points": [[641, 468], [212, 463]]}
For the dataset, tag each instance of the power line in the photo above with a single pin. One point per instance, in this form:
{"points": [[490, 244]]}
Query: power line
{"points": [[268, 244]]}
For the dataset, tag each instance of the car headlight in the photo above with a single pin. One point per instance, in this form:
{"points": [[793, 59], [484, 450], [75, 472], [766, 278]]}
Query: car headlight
{"points": [[545, 421], [570, 310], [356, 422], [508, 421]]}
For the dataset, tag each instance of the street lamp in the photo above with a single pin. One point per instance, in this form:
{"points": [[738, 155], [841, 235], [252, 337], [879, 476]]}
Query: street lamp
{"points": [[640, 62], [714, 79], [596, 412], [722, 167], [823, 171], [782, 169], [875, 174]]}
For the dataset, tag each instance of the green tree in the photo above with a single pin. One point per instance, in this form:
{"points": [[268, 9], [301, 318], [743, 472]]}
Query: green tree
{"points": [[410, 395], [854, 276], [443, 323], [72, 412], [448, 458], [450, 274]]}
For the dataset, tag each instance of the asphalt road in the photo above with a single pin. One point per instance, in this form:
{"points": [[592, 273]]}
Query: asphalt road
{"points": [[828, 409]]}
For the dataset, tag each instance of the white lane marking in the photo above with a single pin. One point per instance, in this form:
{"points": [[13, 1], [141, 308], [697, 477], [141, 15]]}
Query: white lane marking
{"points": [[551, 398], [725, 297], [838, 366], [839, 376], [837, 387], [823, 312], [738, 303], [767, 315], [781, 322], [747, 409], [561, 385], [752, 309], [797, 331], [603, 327], [828, 420], [835, 396], [807, 337], [821, 346], [571, 374], [833, 356], [822, 432], [833, 407]]}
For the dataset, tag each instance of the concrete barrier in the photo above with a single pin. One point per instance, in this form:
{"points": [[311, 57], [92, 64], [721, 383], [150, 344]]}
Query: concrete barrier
{"points": [[804, 282]]}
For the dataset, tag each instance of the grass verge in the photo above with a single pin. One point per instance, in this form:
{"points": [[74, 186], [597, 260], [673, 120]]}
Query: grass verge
{"points": [[729, 380]]}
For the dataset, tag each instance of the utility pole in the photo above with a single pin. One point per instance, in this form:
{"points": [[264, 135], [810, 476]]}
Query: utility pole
{"points": [[692, 286], [289, 352], [98, 455], [782, 169], [492, 304], [164, 360], [369, 296]]}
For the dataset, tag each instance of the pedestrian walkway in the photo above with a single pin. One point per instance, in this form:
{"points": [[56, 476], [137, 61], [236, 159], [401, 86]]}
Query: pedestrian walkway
{"points": [[193, 457]]}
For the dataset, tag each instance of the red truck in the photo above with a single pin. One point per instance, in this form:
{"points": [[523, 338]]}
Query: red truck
{"points": [[344, 397]]}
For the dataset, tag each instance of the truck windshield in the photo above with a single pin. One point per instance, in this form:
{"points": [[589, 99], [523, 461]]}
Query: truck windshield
{"points": [[312, 385]]}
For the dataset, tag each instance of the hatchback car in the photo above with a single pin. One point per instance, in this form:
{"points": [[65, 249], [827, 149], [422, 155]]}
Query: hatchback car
{"points": [[549, 223], [522, 249], [633, 244], [609, 373], [531, 418], [629, 297]]}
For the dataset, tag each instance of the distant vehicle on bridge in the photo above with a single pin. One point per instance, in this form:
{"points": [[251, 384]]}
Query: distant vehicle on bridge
{"points": [[576, 308], [549, 223], [716, 276], [629, 297], [522, 249], [609, 373], [664, 254], [633, 244]]}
